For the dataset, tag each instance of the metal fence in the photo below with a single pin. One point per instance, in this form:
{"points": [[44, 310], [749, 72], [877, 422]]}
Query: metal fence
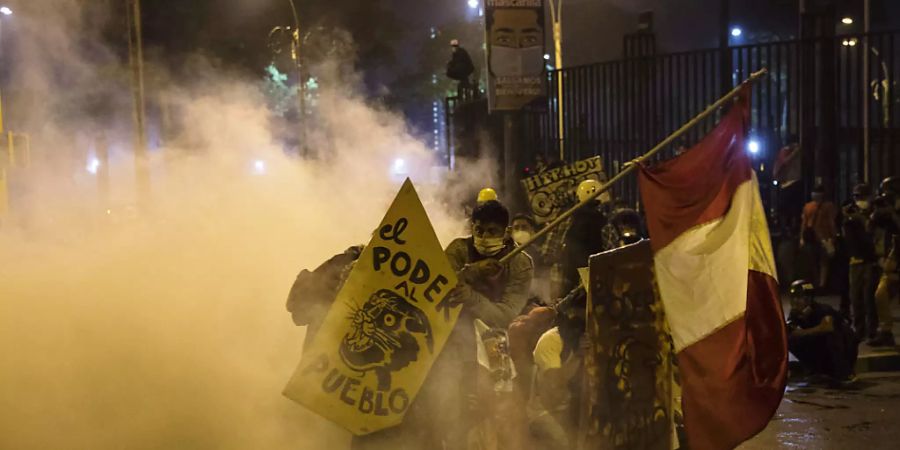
{"points": [[825, 91]]}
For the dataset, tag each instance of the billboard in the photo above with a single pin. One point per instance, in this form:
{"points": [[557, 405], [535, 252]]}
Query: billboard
{"points": [[515, 52]]}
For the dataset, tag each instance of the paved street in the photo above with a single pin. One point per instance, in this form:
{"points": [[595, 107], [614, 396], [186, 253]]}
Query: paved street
{"points": [[865, 416]]}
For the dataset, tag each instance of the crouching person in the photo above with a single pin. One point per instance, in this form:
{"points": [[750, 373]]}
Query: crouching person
{"points": [[821, 339]]}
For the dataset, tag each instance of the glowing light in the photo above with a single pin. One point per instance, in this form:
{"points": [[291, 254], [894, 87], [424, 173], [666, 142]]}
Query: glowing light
{"points": [[737, 32], [753, 146], [775, 182], [5, 11], [259, 166], [473, 4], [546, 56], [399, 165], [93, 166], [847, 21]]}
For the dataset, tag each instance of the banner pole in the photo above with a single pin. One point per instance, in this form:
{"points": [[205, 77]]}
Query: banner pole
{"points": [[632, 166]]}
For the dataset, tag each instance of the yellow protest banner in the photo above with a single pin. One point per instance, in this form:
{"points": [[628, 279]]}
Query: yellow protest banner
{"points": [[387, 325]]}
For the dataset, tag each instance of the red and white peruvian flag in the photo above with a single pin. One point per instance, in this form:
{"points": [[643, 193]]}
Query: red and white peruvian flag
{"points": [[717, 279]]}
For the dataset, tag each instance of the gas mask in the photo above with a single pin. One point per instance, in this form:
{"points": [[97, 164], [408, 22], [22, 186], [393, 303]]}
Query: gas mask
{"points": [[630, 236], [517, 62], [488, 246]]}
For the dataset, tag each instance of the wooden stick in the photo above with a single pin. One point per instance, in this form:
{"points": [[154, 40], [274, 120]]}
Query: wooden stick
{"points": [[632, 166]]}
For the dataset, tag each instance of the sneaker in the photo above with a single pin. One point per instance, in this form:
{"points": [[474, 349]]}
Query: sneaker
{"points": [[884, 339]]}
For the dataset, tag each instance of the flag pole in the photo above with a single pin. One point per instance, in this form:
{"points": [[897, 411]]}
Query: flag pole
{"points": [[632, 165]]}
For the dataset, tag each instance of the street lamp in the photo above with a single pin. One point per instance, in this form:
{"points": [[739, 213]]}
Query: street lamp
{"points": [[736, 32], [847, 21]]}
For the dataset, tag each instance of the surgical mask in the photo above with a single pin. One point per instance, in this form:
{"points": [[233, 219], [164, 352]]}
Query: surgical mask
{"points": [[488, 246], [517, 62], [521, 236], [862, 204]]}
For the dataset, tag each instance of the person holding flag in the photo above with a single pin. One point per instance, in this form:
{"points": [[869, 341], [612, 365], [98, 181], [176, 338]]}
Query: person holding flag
{"points": [[716, 275]]}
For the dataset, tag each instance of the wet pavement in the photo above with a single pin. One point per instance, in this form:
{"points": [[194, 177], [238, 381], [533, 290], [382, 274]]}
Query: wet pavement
{"points": [[865, 415]]}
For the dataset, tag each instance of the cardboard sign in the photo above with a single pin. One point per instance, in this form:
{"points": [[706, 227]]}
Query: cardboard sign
{"points": [[551, 192], [630, 366], [385, 329]]}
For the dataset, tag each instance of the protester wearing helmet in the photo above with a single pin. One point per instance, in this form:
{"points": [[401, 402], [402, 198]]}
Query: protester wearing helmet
{"points": [[819, 336], [584, 237], [486, 195], [625, 227], [864, 271], [886, 228], [488, 290]]}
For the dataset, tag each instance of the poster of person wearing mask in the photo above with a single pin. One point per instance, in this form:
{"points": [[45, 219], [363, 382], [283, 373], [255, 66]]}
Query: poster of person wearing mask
{"points": [[515, 37]]}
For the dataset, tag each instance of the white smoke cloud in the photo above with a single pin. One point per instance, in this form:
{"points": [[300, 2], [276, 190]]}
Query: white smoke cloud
{"points": [[166, 328]]}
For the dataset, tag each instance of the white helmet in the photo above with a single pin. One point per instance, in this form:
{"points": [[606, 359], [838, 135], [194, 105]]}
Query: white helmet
{"points": [[587, 189]]}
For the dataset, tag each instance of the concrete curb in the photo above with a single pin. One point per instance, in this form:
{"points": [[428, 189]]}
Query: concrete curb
{"points": [[887, 360]]}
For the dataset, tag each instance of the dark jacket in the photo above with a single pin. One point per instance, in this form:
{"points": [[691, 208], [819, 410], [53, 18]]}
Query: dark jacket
{"points": [[833, 354], [583, 239], [460, 67], [857, 234], [313, 293]]}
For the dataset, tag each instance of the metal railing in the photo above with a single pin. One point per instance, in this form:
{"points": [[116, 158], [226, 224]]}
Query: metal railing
{"points": [[817, 90]]}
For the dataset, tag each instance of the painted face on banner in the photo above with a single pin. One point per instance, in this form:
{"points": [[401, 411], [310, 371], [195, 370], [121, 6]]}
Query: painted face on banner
{"points": [[516, 43]]}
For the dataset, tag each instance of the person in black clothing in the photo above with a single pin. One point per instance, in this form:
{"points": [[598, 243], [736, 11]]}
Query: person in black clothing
{"points": [[460, 67], [584, 236], [313, 293], [819, 336], [625, 227], [886, 227], [864, 271]]}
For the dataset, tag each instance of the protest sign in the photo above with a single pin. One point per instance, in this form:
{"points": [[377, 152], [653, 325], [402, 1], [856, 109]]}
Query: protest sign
{"points": [[388, 323]]}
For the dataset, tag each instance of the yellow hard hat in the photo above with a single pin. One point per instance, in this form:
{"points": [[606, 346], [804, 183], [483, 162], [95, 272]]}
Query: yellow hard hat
{"points": [[587, 189], [486, 195]]}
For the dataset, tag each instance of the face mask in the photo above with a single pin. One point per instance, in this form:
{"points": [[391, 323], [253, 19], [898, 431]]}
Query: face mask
{"points": [[488, 246], [862, 204], [517, 62], [521, 237]]}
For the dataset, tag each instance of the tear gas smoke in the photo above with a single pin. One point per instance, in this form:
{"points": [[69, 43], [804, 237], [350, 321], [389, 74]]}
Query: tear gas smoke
{"points": [[166, 327]]}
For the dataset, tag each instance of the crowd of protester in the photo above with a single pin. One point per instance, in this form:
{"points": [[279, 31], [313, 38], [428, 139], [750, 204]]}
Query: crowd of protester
{"points": [[534, 304], [849, 253]]}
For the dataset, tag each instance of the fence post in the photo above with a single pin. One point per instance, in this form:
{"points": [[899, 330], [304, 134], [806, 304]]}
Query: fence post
{"points": [[724, 32]]}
